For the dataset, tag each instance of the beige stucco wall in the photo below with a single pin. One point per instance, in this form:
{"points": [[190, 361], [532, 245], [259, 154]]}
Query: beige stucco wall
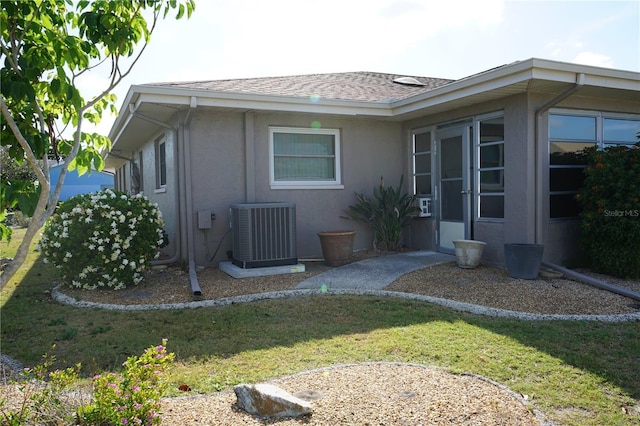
{"points": [[229, 163], [369, 149]]}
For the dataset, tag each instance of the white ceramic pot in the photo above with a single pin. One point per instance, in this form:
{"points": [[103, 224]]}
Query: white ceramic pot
{"points": [[468, 253]]}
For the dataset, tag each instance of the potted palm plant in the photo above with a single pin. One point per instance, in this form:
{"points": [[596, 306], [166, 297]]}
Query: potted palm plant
{"points": [[387, 212]]}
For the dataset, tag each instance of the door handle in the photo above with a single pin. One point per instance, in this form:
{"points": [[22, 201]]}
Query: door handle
{"points": [[466, 192]]}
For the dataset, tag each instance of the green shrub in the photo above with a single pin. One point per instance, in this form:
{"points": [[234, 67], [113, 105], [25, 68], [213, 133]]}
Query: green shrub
{"points": [[132, 398], [43, 399], [105, 239], [387, 213], [610, 201]]}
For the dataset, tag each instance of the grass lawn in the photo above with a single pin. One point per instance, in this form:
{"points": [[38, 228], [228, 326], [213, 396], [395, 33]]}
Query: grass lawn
{"points": [[576, 373]]}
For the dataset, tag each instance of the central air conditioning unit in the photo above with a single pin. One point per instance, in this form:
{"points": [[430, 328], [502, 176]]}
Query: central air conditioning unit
{"points": [[264, 234]]}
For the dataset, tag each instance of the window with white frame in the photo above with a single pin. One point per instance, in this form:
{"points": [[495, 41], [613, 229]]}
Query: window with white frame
{"points": [[570, 133], [304, 157], [422, 162], [490, 167], [161, 163]]}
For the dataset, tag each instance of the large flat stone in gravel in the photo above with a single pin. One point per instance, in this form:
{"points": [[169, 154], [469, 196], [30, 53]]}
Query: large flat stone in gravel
{"points": [[374, 273], [270, 401]]}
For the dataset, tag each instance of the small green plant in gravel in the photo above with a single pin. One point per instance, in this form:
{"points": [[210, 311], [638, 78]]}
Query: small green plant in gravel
{"points": [[43, 401], [132, 398], [103, 240]]}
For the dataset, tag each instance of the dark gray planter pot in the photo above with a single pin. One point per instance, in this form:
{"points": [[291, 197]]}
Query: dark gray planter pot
{"points": [[523, 260]]}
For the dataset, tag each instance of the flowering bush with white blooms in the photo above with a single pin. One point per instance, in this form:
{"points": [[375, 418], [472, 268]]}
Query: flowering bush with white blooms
{"points": [[103, 240]]}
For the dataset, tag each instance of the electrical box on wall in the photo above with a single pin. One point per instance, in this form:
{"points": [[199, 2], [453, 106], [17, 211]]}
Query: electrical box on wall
{"points": [[204, 219], [424, 204]]}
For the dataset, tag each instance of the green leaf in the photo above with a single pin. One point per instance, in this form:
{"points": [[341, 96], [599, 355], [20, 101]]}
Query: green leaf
{"points": [[56, 87], [98, 162], [18, 90], [5, 231], [27, 202]]}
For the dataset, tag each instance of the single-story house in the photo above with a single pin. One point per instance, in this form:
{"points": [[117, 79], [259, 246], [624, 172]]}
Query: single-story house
{"points": [[74, 184], [489, 155]]}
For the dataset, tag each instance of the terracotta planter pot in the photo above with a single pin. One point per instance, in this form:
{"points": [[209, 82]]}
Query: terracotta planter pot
{"points": [[337, 246], [468, 253]]}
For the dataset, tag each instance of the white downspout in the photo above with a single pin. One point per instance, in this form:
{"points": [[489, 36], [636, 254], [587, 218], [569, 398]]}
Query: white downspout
{"points": [[539, 195], [193, 276]]}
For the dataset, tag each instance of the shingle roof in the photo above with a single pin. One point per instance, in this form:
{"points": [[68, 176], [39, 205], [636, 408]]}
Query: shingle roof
{"points": [[349, 86]]}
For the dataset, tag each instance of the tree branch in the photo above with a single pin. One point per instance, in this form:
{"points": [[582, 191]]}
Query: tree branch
{"points": [[31, 158]]}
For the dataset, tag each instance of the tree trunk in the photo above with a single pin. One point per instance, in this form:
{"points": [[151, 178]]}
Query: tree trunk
{"points": [[36, 223]]}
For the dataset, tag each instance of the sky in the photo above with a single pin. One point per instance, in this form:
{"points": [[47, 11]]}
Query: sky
{"points": [[230, 39]]}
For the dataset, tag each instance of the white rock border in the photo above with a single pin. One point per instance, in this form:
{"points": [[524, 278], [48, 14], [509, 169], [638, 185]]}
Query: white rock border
{"points": [[62, 298]]}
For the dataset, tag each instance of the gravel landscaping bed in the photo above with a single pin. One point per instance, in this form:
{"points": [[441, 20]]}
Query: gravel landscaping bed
{"points": [[381, 393], [372, 394], [486, 286]]}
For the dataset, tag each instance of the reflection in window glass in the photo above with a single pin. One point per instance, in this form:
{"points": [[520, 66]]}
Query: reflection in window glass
{"points": [[570, 127], [490, 199], [568, 153], [569, 135], [621, 131], [567, 160]]}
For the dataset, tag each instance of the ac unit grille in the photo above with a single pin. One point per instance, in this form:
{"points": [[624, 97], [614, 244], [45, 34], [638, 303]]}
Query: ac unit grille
{"points": [[264, 234]]}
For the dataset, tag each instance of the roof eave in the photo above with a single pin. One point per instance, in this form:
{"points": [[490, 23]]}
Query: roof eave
{"points": [[152, 94], [514, 75]]}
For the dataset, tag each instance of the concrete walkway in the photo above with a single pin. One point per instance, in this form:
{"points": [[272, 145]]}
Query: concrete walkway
{"points": [[374, 273]]}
